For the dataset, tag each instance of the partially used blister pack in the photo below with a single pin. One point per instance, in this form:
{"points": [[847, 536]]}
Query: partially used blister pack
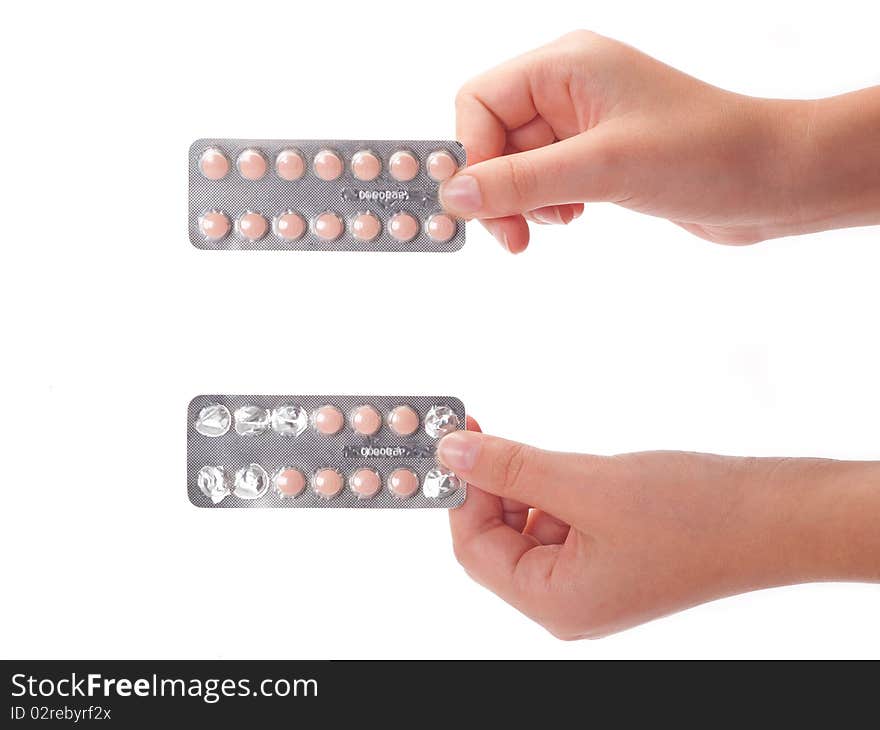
{"points": [[322, 195], [321, 451]]}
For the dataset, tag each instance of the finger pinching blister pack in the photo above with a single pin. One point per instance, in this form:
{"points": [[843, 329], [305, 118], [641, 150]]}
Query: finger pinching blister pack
{"points": [[322, 195], [321, 451]]}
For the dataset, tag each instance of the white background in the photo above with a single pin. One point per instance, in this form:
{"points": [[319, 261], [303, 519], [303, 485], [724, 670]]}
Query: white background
{"points": [[619, 333]]}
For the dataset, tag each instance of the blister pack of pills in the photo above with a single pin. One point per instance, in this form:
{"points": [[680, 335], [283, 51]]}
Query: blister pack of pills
{"points": [[322, 195], [321, 451]]}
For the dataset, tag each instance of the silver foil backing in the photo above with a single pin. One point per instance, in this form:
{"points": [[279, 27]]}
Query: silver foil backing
{"points": [[236, 469], [310, 196]]}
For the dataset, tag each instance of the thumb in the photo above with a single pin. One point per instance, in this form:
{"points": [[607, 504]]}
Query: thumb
{"points": [[575, 170], [554, 482]]}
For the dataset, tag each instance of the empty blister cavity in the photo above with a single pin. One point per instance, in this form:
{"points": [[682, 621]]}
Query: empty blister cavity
{"points": [[290, 165], [251, 482], [328, 165], [252, 165], [213, 483], [289, 420], [213, 421], [440, 421], [440, 483], [251, 420], [289, 482]]}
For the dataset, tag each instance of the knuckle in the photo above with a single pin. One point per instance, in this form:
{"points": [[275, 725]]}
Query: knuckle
{"points": [[579, 42], [598, 52], [580, 36], [463, 95]]}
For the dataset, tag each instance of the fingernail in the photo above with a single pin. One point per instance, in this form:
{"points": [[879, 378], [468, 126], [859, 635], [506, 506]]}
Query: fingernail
{"points": [[550, 216], [461, 195], [459, 450]]}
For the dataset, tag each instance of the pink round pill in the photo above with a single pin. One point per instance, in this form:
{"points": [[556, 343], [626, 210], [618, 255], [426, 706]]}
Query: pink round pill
{"points": [[214, 225], [290, 226], [403, 420], [251, 164], [327, 165], [328, 420], [403, 227], [365, 483], [403, 483], [440, 227], [289, 482], [327, 483], [403, 166], [213, 164], [365, 165], [328, 226], [365, 227], [252, 226], [290, 165], [366, 420], [441, 165]]}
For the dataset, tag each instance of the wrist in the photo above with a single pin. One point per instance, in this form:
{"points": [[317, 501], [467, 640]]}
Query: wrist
{"points": [[827, 161], [825, 516]]}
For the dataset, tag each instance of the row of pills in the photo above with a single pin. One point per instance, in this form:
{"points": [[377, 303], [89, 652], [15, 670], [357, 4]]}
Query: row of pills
{"points": [[365, 165], [215, 225], [289, 482], [328, 420]]}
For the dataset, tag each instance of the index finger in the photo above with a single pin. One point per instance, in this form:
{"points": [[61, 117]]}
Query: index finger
{"points": [[487, 547], [490, 105]]}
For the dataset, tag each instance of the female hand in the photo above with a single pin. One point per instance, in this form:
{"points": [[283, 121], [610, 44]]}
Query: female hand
{"points": [[587, 118], [589, 545]]}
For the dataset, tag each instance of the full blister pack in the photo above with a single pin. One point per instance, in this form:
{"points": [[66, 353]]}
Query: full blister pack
{"points": [[322, 195], [321, 451]]}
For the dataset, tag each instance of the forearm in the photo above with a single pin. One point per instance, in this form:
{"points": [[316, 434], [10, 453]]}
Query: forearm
{"points": [[832, 160], [822, 521]]}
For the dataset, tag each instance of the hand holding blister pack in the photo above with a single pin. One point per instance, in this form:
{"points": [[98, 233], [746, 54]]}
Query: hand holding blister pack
{"points": [[321, 451], [322, 195]]}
